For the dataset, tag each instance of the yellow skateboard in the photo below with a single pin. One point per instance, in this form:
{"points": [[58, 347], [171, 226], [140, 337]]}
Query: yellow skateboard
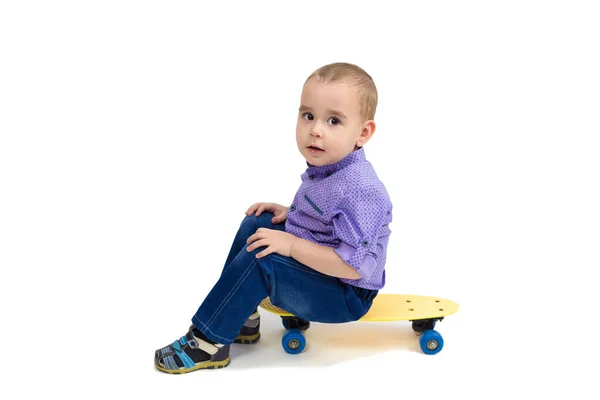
{"points": [[422, 311]]}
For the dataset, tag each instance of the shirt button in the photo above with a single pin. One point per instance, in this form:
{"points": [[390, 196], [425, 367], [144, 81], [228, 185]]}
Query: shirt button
{"points": [[365, 243], [292, 207], [311, 176], [328, 174]]}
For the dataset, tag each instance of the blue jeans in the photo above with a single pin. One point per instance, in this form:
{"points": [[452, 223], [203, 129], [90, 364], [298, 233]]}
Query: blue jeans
{"points": [[291, 285]]}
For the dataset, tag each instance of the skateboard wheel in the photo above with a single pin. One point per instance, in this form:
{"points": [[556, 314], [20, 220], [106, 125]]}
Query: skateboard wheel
{"points": [[431, 342], [293, 341]]}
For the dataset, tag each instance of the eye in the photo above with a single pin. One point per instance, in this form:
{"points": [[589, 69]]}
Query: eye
{"points": [[334, 120], [308, 116]]}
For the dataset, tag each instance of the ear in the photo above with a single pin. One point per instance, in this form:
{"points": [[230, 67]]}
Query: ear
{"points": [[367, 132]]}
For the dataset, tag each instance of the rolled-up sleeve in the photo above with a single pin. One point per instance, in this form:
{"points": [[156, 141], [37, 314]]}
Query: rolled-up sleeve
{"points": [[356, 223]]}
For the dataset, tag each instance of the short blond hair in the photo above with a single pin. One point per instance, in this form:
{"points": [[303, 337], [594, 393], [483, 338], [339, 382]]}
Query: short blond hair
{"points": [[356, 76]]}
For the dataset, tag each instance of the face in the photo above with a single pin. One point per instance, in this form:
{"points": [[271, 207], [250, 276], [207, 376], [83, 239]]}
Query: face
{"points": [[329, 123]]}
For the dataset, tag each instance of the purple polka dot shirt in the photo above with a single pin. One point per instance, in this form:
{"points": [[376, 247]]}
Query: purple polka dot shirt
{"points": [[345, 206]]}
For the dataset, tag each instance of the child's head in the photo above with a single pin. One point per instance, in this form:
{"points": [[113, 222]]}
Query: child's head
{"points": [[337, 109]]}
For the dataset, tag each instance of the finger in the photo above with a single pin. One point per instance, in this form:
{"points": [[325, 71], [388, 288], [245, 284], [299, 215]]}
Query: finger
{"points": [[250, 211], [254, 236], [259, 233], [257, 244], [263, 253], [261, 208]]}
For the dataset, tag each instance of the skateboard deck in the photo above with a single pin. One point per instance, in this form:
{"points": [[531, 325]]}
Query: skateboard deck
{"points": [[422, 311]]}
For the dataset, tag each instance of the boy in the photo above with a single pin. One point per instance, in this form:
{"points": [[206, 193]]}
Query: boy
{"points": [[321, 259]]}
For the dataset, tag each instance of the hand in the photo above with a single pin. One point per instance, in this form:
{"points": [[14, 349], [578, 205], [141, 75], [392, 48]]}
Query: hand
{"points": [[280, 211], [276, 241]]}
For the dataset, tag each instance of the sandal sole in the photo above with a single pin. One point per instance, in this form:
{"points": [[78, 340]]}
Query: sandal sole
{"points": [[250, 339], [202, 365]]}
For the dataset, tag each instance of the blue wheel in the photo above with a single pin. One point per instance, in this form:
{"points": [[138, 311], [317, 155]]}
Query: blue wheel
{"points": [[431, 342], [293, 341]]}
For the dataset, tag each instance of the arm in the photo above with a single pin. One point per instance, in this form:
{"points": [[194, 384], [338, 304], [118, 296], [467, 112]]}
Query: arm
{"points": [[321, 258]]}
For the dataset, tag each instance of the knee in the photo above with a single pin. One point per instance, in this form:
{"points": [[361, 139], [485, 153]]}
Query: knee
{"points": [[252, 222], [249, 224]]}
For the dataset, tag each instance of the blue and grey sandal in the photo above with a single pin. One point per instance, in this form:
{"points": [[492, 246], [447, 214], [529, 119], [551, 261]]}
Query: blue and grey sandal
{"points": [[191, 353], [250, 332]]}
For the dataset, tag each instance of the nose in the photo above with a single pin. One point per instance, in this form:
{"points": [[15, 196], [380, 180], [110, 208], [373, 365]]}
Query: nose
{"points": [[316, 130]]}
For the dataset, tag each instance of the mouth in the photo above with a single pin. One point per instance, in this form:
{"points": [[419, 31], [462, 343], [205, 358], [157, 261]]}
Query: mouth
{"points": [[314, 150]]}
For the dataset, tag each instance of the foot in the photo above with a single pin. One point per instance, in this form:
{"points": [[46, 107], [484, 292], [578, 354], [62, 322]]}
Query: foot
{"points": [[191, 353], [250, 332]]}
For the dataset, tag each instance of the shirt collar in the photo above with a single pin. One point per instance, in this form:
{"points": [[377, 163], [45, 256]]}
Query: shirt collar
{"points": [[325, 170]]}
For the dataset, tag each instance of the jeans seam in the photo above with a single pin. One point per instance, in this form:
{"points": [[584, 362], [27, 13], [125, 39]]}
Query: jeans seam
{"points": [[204, 326], [232, 292]]}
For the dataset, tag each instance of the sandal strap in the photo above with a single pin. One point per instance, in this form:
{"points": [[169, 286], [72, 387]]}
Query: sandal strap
{"points": [[197, 343], [185, 359]]}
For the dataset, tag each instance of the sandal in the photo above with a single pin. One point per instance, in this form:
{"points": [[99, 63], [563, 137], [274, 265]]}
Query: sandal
{"points": [[250, 332], [190, 353]]}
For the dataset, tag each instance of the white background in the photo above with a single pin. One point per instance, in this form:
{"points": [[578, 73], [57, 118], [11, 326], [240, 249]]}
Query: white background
{"points": [[134, 136]]}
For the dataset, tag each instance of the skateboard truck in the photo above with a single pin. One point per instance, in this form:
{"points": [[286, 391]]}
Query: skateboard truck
{"points": [[422, 325], [295, 323]]}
